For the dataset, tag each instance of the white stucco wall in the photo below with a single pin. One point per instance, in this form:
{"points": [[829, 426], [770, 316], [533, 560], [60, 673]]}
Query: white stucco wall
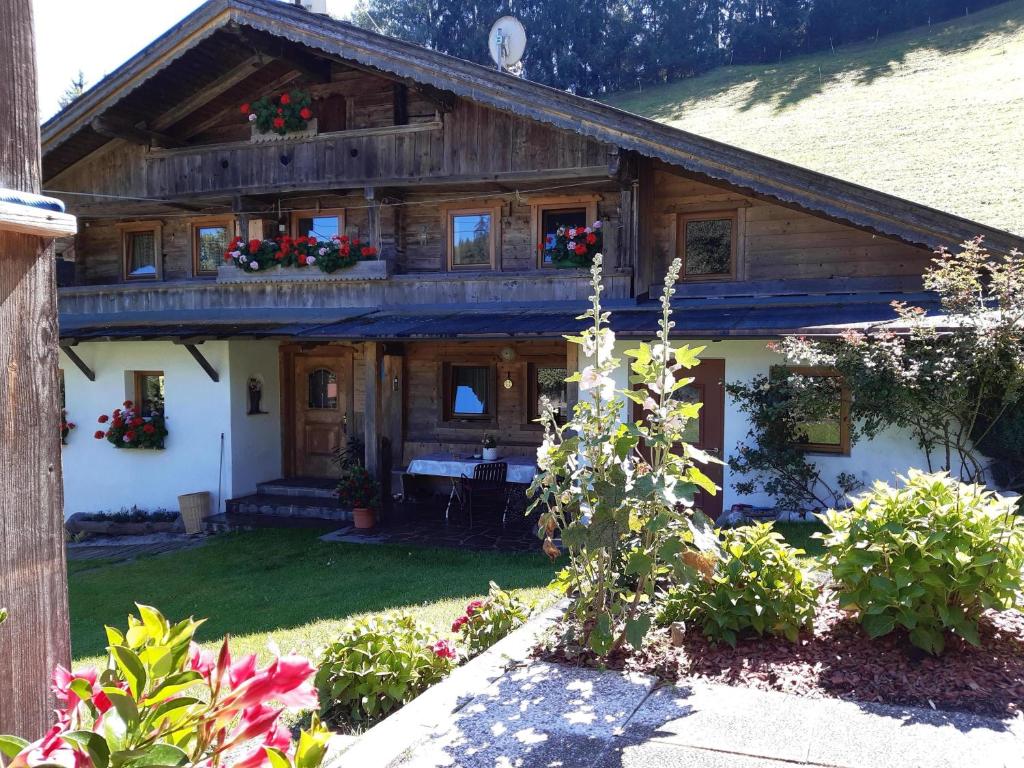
{"points": [[882, 458], [99, 477]]}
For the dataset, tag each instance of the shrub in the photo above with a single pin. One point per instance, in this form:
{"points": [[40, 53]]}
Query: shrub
{"points": [[929, 557], [162, 700], [757, 584], [378, 664], [489, 620]]}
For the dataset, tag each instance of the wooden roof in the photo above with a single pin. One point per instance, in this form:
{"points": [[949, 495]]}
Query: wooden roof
{"points": [[165, 70]]}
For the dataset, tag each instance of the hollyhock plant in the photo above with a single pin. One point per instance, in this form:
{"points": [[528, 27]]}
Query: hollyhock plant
{"points": [[284, 113], [129, 429], [575, 247], [164, 701]]}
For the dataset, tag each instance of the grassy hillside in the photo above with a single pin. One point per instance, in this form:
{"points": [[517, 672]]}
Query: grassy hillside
{"points": [[934, 115]]}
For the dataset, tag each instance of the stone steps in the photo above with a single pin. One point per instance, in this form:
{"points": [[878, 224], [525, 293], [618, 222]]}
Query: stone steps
{"points": [[284, 503]]}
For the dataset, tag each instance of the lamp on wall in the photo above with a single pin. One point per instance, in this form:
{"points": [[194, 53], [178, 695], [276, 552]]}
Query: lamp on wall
{"points": [[508, 380]]}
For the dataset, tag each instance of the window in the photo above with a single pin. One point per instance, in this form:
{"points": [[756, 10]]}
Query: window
{"points": [[468, 392], [549, 214], [323, 225], [823, 418], [209, 242], [142, 247], [472, 235], [547, 381], [149, 392], [323, 389], [707, 243]]}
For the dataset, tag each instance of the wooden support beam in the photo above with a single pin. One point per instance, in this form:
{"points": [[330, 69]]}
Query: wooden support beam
{"points": [[199, 358], [400, 97], [33, 579], [225, 82], [80, 364], [116, 129], [315, 68], [373, 355], [196, 128]]}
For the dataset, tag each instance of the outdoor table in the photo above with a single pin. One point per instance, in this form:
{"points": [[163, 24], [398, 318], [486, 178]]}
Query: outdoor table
{"points": [[521, 470]]}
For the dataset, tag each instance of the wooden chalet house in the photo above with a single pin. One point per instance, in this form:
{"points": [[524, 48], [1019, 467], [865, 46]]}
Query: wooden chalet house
{"points": [[455, 173]]}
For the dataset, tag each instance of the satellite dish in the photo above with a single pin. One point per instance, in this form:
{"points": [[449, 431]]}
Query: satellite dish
{"points": [[507, 43]]}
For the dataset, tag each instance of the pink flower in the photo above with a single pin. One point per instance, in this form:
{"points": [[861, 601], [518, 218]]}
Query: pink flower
{"points": [[473, 607], [285, 679], [277, 737], [459, 623], [51, 750], [445, 650], [201, 661], [256, 722]]}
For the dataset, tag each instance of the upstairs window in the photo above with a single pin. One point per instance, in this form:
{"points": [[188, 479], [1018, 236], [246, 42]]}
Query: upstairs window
{"points": [[550, 214], [468, 392], [472, 238], [141, 246], [149, 393], [323, 225], [209, 242], [707, 245]]}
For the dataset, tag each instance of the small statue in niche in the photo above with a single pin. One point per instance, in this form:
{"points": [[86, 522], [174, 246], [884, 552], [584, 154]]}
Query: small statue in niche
{"points": [[255, 395]]}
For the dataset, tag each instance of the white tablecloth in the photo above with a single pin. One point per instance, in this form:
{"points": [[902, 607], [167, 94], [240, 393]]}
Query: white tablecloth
{"points": [[521, 469]]}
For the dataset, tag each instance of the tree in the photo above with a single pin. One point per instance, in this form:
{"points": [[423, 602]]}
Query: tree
{"points": [[75, 89]]}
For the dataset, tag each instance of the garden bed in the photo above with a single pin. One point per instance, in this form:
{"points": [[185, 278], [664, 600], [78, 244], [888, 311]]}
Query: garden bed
{"points": [[839, 660], [123, 525]]}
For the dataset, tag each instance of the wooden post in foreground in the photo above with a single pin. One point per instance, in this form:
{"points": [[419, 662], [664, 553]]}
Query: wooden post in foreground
{"points": [[33, 581]]}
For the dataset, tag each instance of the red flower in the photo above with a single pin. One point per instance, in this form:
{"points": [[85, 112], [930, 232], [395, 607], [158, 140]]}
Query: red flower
{"points": [[149, 429], [459, 623], [286, 99], [445, 650], [227, 258], [301, 259], [254, 245], [245, 108], [117, 422], [279, 255], [99, 434], [137, 422], [343, 239], [127, 404], [580, 249], [103, 419], [368, 251], [311, 240], [473, 607], [591, 238], [279, 122], [130, 435], [305, 113]]}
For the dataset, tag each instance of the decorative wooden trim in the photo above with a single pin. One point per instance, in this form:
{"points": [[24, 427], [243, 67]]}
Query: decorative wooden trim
{"points": [[843, 447], [194, 225], [451, 419], [26, 220], [448, 212], [130, 227], [538, 206], [294, 216], [684, 219]]}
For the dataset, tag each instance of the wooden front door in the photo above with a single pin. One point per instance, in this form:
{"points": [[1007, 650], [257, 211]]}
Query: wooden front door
{"points": [[708, 431], [321, 399]]}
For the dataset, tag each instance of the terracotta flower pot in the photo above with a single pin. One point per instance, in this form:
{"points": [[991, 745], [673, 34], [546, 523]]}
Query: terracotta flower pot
{"points": [[364, 518]]}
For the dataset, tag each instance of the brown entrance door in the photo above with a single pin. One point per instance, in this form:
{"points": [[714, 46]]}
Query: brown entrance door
{"points": [[708, 431], [321, 397]]}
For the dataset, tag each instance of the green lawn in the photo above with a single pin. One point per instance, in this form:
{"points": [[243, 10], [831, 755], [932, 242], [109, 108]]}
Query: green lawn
{"points": [[932, 114], [286, 586]]}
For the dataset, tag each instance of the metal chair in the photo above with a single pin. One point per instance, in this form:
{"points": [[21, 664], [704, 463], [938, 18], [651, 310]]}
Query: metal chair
{"points": [[488, 487]]}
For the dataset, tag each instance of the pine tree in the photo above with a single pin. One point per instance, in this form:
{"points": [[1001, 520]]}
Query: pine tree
{"points": [[73, 91]]}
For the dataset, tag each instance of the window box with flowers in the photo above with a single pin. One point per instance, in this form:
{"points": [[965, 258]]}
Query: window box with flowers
{"points": [[573, 247], [304, 258], [286, 116], [127, 428]]}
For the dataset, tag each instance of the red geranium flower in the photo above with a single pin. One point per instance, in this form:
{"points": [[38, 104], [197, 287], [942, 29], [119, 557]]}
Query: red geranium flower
{"points": [[227, 258], [591, 238], [149, 429], [369, 251], [117, 423], [305, 113], [301, 260], [279, 122], [128, 404], [286, 99], [580, 249], [103, 419], [245, 108], [130, 435], [137, 422], [254, 245], [99, 434], [311, 240], [279, 255]]}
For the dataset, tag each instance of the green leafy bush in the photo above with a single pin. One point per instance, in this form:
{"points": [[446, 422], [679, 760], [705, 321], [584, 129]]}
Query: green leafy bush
{"points": [[757, 584], [378, 664], [487, 621], [929, 557]]}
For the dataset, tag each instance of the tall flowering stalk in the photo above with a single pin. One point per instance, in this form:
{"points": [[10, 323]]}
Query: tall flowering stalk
{"points": [[620, 491], [163, 701]]}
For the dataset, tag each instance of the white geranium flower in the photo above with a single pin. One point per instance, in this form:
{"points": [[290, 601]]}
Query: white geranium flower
{"points": [[571, 244], [572, 232], [244, 259], [254, 265], [322, 251], [235, 254], [597, 224], [311, 260], [252, 117]]}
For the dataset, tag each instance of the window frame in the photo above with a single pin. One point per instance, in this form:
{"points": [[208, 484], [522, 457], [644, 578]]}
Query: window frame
{"points": [[294, 216], [227, 222], [842, 448], [448, 415], [137, 377], [731, 214], [531, 390], [539, 206], [448, 214], [132, 228]]}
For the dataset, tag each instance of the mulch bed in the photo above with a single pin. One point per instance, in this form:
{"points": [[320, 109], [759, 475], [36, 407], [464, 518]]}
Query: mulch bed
{"points": [[839, 660]]}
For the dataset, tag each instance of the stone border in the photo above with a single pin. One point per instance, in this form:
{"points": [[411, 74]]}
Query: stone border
{"points": [[390, 739]]}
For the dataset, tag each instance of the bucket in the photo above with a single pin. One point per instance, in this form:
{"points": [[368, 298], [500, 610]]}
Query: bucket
{"points": [[195, 507]]}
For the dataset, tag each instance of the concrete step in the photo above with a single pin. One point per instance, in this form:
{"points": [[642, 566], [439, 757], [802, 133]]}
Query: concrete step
{"points": [[288, 506], [311, 487]]}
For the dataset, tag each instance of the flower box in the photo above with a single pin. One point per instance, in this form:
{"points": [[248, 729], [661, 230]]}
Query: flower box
{"points": [[262, 137], [362, 270], [82, 523]]}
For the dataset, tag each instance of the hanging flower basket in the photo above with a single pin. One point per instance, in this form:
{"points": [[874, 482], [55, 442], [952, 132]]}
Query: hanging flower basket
{"points": [[128, 429], [286, 116]]}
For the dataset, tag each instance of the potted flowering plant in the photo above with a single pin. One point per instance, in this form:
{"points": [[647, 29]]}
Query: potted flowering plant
{"points": [[490, 446], [129, 429], [337, 252], [287, 113], [65, 426], [358, 491], [575, 247]]}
